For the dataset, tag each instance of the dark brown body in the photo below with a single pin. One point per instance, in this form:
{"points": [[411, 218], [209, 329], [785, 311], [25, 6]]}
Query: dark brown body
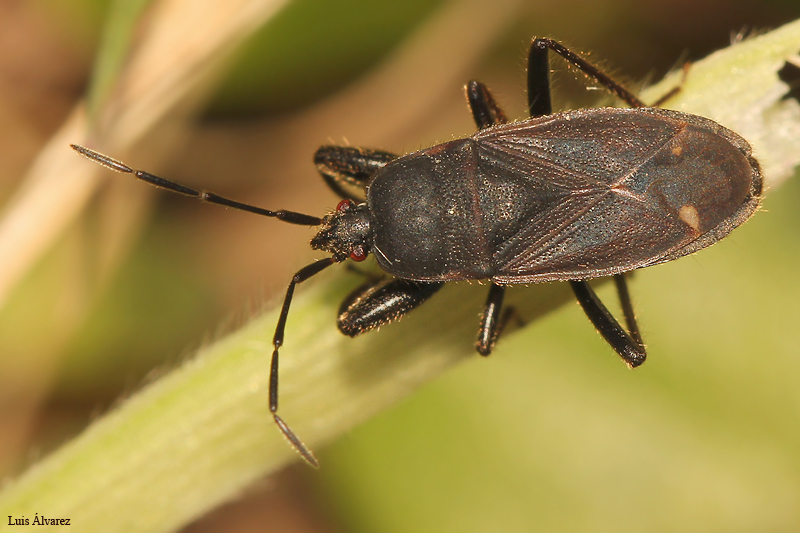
{"points": [[574, 195]]}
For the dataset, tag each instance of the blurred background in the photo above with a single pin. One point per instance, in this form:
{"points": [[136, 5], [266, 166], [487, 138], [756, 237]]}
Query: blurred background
{"points": [[704, 437]]}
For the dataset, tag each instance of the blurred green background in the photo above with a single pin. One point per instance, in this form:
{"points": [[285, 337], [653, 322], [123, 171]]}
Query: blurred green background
{"points": [[704, 437]]}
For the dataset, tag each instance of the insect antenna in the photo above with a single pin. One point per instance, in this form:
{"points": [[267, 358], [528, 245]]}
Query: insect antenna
{"points": [[287, 216]]}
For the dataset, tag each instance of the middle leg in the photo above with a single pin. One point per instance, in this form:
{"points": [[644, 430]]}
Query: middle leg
{"points": [[492, 321], [347, 170], [484, 107], [487, 113]]}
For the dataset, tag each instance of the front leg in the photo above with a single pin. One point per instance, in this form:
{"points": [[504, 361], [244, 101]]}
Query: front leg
{"points": [[379, 302], [347, 170]]}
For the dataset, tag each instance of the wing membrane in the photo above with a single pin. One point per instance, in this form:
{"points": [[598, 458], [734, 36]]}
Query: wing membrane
{"points": [[580, 217]]}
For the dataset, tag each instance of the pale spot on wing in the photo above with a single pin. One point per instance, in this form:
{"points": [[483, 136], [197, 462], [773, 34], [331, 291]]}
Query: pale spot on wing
{"points": [[688, 213]]}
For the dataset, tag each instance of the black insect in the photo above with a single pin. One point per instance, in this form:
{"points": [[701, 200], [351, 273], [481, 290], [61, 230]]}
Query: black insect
{"points": [[558, 197]]}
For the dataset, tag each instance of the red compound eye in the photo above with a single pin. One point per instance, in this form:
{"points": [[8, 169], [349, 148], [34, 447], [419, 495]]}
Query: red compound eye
{"points": [[344, 205], [358, 254]]}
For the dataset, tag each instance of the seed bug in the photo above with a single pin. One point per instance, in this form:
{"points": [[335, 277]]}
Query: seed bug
{"points": [[558, 197]]}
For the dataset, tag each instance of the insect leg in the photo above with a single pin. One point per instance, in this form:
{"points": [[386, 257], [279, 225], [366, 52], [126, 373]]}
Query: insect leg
{"points": [[484, 108], [539, 103], [492, 322], [628, 345], [675, 90], [620, 280], [347, 170], [379, 302], [539, 70], [277, 341]]}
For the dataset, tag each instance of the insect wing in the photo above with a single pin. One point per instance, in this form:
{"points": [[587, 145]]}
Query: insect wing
{"points": [[628, 188]]}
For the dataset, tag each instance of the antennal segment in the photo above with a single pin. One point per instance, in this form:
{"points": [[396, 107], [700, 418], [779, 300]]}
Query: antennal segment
{"points": [[118, 166]]}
